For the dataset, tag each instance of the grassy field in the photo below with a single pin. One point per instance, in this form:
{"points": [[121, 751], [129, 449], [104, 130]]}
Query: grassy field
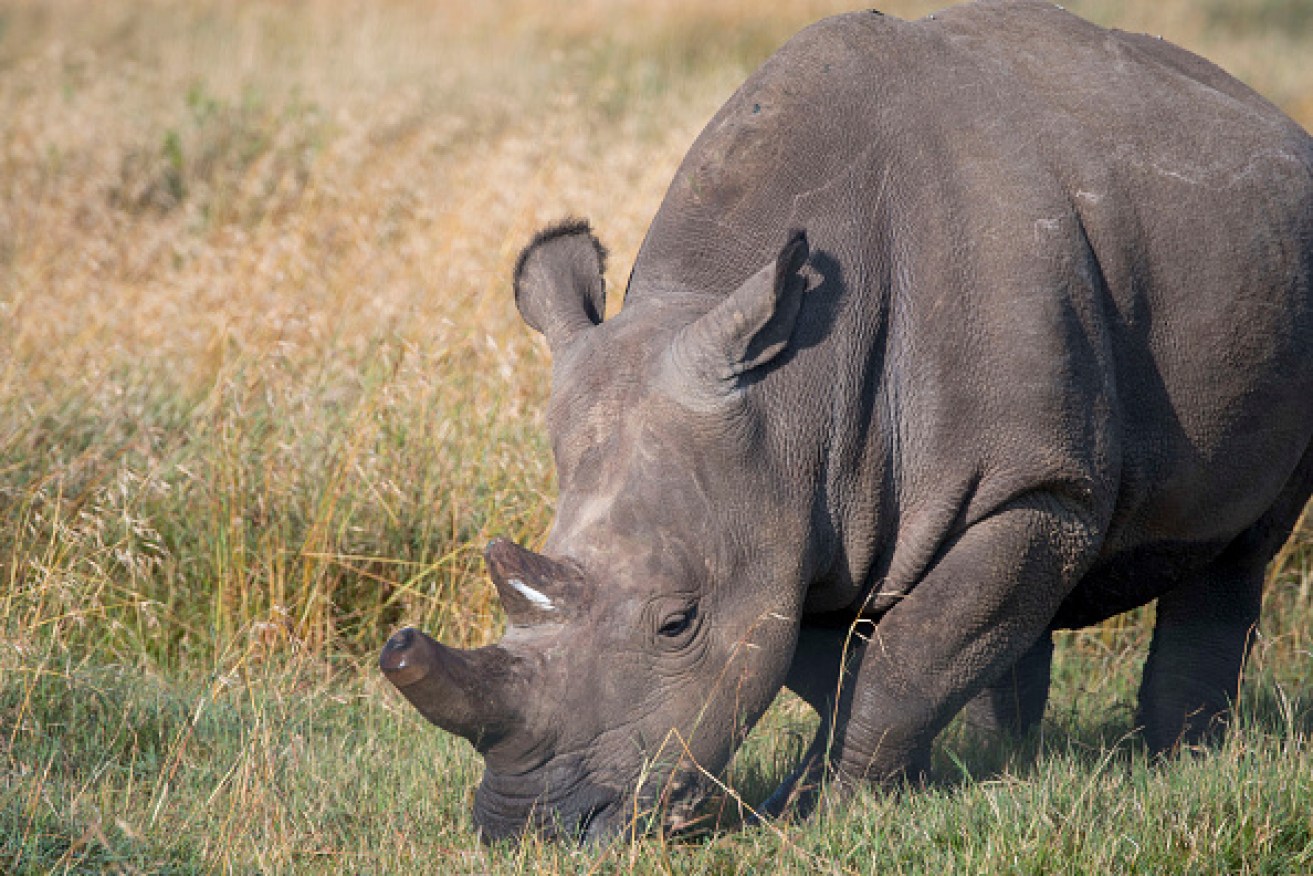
{"points": [[264, 395]]}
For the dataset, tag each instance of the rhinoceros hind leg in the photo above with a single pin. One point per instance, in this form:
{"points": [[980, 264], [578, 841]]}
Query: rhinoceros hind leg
{"points": [[1013, 705], [1199, 642], [1205, 625]]}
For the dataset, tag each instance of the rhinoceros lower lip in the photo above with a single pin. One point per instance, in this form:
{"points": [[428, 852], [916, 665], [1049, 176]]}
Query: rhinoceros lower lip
{"points": [[561, 804], [594, 825]]}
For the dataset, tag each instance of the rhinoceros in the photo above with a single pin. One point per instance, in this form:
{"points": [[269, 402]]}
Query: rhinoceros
{"points": [[948, 334]]}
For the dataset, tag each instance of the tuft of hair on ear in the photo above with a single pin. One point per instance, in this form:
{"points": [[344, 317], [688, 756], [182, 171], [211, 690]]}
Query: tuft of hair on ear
{"points": [[567, 227]]}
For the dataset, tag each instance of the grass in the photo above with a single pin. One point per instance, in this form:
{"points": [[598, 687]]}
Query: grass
{"points": [[271, 763], [263, 396]]}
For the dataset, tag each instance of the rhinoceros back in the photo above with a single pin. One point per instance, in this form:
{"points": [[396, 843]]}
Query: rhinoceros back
{"points": [[1061, 253]]}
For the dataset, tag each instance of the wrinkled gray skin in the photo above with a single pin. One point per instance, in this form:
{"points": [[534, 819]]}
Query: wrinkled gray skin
{"points": [[1044, 354]]}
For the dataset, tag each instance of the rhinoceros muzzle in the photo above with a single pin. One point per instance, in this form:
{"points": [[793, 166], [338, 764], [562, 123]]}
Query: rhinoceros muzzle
{"points": [[574, 807], [479, 694]]}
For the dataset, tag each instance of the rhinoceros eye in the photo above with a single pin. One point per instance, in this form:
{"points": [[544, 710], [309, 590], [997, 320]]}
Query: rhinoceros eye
{"points": [[679, 622]]}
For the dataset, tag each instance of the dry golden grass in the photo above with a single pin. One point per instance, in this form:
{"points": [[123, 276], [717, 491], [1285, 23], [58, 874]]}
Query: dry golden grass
{"points": [[260, 362], [261, 366], [188, 182], [239, 237]]}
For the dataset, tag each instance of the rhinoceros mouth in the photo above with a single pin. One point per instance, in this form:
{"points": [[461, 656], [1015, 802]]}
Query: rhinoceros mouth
{"points": [[586, 812], [505, 807], [595, 823]]}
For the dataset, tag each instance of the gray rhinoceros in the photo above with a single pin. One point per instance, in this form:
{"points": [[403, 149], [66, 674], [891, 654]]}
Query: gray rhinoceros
{"points": [[949, 333]]}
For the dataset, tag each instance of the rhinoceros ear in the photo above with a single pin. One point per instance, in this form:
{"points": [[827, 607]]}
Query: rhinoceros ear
{"points": [[559, 288], [745, 331]]}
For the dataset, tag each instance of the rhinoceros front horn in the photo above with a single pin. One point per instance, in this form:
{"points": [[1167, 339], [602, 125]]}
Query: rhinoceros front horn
{"points": [[463, 692]]}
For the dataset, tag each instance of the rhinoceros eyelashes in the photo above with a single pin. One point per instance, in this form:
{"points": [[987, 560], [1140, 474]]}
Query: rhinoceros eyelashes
{"points": [[744, 332], [678, 623]]}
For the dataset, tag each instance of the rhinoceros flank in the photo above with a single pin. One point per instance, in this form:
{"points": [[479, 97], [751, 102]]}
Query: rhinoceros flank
{"points": [[948, 333]]}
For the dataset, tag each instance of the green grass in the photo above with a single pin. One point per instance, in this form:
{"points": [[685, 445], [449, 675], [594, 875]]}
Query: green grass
{"points": [[264, 396], [274, 764]]}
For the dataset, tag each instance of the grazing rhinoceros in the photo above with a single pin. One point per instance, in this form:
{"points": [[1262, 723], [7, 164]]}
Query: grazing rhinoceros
{"points": [[949, 333]]}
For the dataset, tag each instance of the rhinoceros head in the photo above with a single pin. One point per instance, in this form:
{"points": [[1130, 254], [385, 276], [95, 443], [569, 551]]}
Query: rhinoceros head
{"points": [[658, 624]]}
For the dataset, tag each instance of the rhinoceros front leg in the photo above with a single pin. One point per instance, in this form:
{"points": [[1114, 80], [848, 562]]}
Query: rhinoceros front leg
{"points": [[980, 608], [814, 676]]}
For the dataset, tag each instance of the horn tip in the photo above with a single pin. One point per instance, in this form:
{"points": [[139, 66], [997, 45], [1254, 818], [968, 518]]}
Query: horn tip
{"points": [[400, 660]]}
